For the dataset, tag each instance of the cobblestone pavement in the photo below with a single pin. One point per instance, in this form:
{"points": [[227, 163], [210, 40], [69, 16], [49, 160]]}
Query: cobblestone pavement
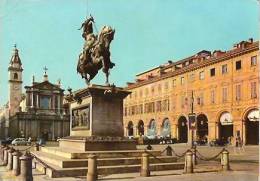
{"points": [[244, 165]]}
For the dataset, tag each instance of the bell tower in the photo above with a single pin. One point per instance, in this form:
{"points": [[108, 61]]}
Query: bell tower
{"points": [[15, 82]]}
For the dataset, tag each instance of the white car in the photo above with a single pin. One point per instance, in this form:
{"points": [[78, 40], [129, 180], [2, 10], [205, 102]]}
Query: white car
{"points": [[20, 141]]}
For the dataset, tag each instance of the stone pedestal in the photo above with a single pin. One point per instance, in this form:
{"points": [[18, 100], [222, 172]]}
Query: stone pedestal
{"points": [[96, 120]]}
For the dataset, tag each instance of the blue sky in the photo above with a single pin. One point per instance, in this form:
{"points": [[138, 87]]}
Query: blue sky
{"points": [[148, 33]]}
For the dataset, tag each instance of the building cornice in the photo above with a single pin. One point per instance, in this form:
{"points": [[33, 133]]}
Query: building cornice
{"points": [[195, 66], [15, 81], [15, 69]]}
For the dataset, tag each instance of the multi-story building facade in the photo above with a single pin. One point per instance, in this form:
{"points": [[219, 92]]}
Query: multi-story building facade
{"points": [[225, 89]]}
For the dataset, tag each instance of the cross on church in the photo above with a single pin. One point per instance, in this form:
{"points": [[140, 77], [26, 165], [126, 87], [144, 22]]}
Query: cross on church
{"points": [[15, 45], [45, 70]]}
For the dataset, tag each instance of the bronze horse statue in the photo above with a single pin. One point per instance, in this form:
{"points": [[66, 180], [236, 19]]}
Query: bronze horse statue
{"points": [[96, 53]]}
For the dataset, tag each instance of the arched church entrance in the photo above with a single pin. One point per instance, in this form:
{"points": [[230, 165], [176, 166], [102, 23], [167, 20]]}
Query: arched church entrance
{"points": [[252, 127], [183, 130]]}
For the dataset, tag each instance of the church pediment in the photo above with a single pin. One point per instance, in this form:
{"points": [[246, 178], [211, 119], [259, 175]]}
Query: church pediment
{"points": [[46, 86]]}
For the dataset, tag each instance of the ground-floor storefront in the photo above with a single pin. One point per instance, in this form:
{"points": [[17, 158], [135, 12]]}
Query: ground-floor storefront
{"points": [[224, 125]]}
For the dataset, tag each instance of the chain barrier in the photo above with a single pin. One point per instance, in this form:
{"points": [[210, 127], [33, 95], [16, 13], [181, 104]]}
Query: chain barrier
{"points": [[181, 155], [156, 157], [197, 154], [42, 162], [164, 150], [201, 157], [27, 148]]}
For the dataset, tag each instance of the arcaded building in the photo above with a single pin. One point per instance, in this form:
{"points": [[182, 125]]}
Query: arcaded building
{"points": [[225, 88]]}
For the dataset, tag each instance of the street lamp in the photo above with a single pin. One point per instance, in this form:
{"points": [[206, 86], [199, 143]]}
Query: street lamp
{"points": [[192, 120]]}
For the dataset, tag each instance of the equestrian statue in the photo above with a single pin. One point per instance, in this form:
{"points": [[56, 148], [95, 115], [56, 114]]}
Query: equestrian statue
{"points": [[95, 54]]}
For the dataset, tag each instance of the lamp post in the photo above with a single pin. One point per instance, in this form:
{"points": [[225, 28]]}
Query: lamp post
{"points": [[192, 120], [192, 131]]}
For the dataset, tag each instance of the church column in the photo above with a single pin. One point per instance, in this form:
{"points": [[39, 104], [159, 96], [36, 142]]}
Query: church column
{"points": [[59, 103], [53, 102], [37, 104], [27, 99], [32, 99], [53, 130]]}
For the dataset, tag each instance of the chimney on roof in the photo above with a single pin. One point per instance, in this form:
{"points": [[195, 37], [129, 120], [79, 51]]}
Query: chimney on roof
{"points": [[217, 53], [129, 83]]}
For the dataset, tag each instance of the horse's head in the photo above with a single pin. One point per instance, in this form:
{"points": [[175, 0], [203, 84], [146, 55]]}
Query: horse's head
{"points": [[106, 35]]}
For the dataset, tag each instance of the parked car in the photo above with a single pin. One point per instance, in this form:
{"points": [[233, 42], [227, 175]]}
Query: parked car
{"points": [[7, 141], [218, 142], [158, 140], [201, 142], [20, 141]]}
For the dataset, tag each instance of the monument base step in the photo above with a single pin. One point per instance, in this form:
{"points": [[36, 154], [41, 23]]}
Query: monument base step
{"points": [[96, 143], [56, 172], [63, 162], [57, 162], [76, 154]]}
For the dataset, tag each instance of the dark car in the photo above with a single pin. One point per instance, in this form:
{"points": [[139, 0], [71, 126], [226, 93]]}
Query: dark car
{"points": [[201, 142], [7, 141], [218, 142]]}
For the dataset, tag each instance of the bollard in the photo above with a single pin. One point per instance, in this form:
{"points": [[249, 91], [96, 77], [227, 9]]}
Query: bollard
{"points": [[169, 151], [188, 162], [16, 163], [194, 156], [145, 170], [92, 168], [10, 159], [225, 160], [37, 147], [5, 156], [2, 152], [26, 167]]}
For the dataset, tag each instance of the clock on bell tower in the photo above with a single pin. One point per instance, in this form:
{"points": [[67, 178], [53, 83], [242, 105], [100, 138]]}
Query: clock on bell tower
{"points": [[15, 82]]}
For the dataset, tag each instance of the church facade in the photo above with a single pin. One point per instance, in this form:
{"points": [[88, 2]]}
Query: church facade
{"points": [[38, 112]]}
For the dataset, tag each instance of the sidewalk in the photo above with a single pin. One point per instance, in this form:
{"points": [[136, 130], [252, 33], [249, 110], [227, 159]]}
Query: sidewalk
{"points": [[203, 172]]}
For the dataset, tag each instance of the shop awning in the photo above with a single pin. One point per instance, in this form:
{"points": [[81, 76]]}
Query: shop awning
{"points": [[226, 119], [253, 115]]}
